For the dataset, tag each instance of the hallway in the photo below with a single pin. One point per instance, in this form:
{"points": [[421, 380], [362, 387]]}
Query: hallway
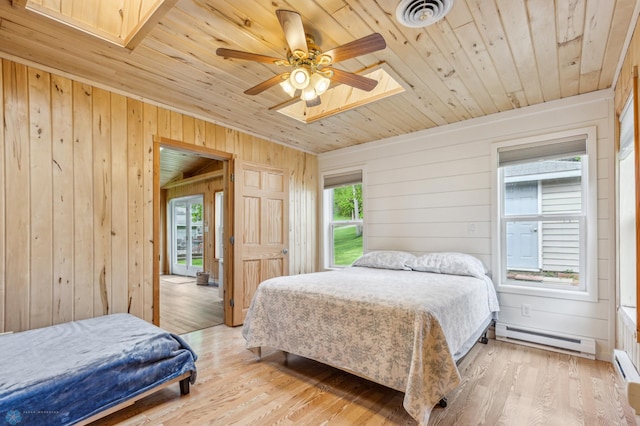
{"points": [[186, 306]]}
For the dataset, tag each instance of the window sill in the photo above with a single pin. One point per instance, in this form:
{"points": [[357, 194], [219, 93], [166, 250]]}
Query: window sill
{"points": [[629, 316], [547, 292]]}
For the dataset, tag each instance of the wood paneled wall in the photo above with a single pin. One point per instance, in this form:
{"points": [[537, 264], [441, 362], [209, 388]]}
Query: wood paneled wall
{"points": [[76, 196]]}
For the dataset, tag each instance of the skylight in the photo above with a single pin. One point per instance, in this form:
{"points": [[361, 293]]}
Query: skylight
{"points": [[342, 98], [122, 22]]}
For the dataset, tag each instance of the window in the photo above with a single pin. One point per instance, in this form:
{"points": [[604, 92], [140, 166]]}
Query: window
{"points": [[343, 218], [546, 215], [627, 208], [219, 225]]}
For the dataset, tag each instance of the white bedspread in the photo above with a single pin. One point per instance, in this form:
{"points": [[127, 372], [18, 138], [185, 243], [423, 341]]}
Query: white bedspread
{"points": [[397, 328]]}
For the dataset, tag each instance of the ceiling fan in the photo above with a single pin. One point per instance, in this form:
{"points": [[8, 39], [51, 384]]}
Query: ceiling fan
{"points": [[311, 72]]}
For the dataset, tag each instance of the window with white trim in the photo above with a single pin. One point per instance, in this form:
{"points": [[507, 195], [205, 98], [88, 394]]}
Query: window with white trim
{"points": [[627, 208], [343, 218], [547, 215]]}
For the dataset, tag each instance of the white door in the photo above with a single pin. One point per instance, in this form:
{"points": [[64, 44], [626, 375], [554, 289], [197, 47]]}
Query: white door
{"points": [[187, 235], [522, 237]]}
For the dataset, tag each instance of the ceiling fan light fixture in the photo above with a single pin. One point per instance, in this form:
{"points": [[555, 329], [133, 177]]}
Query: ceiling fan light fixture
{"points": [[309, 93], [320, 83], [421, 13], [299, 78], [288, 88]]}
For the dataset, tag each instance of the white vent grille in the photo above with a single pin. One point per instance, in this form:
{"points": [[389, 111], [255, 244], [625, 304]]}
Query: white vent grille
{"points": [[572, 345], [420, 13]]}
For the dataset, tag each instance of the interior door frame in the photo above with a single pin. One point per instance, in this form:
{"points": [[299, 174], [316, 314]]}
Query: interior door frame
{"points": [[228, 221]]}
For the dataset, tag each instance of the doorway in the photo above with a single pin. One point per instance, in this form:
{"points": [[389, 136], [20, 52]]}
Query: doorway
{"points": [[186, 233], [188, 292]]}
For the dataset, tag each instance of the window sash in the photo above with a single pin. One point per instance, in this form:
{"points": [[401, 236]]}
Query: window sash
{"points": [[579, 216], [331, 182]]}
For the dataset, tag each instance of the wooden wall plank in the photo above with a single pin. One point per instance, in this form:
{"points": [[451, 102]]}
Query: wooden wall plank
{"points": [[176, 126], [3, 266], [200, 132], [102, 212], [17, 236], [188, 130], [216, 137], [83, 201], [40, 191], [150, 114], [119, 205], [135, 184], [62, 151], [164, 123]]}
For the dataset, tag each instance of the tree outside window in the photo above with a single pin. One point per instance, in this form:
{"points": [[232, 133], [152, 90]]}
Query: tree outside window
{"points": [[346, 224]]}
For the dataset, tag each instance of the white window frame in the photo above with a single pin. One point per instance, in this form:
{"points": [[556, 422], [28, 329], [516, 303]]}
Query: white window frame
{"points": [[589, 241], [327, 215], [626, 200]]}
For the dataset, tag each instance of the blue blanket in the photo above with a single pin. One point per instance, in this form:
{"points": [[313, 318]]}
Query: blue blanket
{"points": [[65, 373]]}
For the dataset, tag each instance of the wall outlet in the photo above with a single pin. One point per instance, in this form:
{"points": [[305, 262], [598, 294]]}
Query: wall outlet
{"points": [[526, 310]]}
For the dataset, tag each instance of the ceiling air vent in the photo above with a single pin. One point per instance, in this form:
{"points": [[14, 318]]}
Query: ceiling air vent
{"points": [[420, 13]]}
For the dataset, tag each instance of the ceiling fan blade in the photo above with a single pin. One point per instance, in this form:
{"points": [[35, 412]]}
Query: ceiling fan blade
{"points": [[362, 46], [237, 54], [291, 24], [259, 88], [353, 80]]}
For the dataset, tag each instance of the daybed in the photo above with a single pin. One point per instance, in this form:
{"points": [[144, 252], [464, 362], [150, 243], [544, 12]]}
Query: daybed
{"points": [[79, 371], [385, 319]]}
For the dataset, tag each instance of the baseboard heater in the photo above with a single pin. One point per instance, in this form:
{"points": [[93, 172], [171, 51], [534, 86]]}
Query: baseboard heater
{"points": [[579, 346], [629, 374]]}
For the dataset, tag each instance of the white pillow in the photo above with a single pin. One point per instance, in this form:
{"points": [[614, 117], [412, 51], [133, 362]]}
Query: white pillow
{"points": [[449, 263], [386, 259]]}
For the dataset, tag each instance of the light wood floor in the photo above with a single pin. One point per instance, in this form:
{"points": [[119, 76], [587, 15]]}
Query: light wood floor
{"points": [[186, 306], [502, 384]]}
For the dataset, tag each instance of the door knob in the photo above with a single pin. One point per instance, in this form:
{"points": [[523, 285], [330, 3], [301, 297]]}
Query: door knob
{"points": [[285, 251]]}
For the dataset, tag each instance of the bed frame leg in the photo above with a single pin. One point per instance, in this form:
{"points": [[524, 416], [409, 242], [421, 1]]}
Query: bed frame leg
{"points": [[484, 339], [257, 352], [184, 386], [443, 402]]}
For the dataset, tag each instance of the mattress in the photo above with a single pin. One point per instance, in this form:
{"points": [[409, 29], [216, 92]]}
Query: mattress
{"points": [[65, 373]]}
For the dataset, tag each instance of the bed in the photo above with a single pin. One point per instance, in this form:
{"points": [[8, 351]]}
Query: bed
{"points": [[77, 372], [393, 318]]}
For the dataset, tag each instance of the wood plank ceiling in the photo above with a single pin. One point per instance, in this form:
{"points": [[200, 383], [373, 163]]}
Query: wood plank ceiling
{"points": [[485, 57]]}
